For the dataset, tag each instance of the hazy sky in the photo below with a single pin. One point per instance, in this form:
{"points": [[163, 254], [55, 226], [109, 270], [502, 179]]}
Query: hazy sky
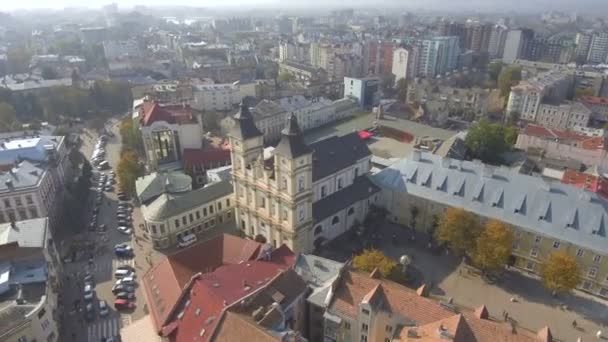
{"points": [[515, 5]]}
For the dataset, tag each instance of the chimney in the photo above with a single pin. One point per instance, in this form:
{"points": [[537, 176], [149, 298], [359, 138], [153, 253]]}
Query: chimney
{"points": [[481, 312]]}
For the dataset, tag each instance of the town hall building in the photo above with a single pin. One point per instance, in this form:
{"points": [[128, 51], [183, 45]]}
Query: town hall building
{"points": [[298, 194]]}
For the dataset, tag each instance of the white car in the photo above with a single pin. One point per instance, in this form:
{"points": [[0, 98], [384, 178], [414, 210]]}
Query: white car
{"points": [[125, 230], [126, 281], [88, 292]]}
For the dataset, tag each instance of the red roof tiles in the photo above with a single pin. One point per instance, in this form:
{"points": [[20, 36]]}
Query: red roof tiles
{"points": [[588, 143], [587, 182], [595, 100], [164, 282], [197, 157], [152, 111]]}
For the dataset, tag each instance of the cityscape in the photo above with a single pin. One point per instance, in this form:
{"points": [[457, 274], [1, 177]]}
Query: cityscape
{"points": [[296, 171]]}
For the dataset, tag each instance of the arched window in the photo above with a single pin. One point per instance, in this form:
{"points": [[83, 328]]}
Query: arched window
{"points": [[301, 183], [284, 183], [318, 230], [351, 211], [335, 220]]}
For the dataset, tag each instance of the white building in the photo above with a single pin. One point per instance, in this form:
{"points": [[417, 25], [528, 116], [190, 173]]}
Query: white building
{"points": [[301, 195], [167, 131], [498, 38], [29, 282], [32, 178], [564, 115], [401, 63], [598, 49], [216, 97]]}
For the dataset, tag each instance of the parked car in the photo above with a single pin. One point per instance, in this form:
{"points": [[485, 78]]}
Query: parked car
{"points": [[125, 295], [125, 230], [88, 279], [122, 288], [126, 281], [103, 308], [123, 216], [89, 312], [123, 304], [88, 292], [126, 267]]}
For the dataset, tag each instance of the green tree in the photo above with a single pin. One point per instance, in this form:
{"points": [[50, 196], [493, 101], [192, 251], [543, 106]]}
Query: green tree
{"points": [[49, 73], [458, 229], [211, 122], [560, 273], [494, 70], [371, 259], [127, 171], [401, 87], [488, 141], [284, 77], [8, 117], [493, 246], [507, 78]]}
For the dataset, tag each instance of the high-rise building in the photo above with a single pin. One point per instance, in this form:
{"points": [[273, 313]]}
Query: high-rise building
{"points": [[438, 55], [405, 61], [598, 49], [518, 45], [450, 28], [583, 42], [496, 45], [377, 57], [477, 37]]}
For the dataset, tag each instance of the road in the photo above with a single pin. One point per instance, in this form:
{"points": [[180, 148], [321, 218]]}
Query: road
{"points": [[104, 262]]}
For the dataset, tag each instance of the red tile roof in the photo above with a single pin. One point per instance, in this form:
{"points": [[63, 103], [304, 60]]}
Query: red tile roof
{"points": [[152, 111], [164, 282], [586, 181], [235, 327], [210, 293], [588, 143], [193, 156], [595, 100]]}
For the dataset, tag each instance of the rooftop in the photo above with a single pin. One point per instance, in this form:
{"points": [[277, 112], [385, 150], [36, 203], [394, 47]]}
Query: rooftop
{"points": [[26, 234], [337, 153], [550, 209], [361, 189], [168, 205], [33, 148], [23, 175], [153, 185], [592, 183], [583, 141], [152, 111]]}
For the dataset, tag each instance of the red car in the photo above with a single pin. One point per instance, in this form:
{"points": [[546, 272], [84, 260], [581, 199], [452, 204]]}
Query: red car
{"points": [[123, 304]]}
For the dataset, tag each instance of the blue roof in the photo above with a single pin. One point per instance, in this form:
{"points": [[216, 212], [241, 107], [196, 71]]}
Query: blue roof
{"points": [[550, 209]]}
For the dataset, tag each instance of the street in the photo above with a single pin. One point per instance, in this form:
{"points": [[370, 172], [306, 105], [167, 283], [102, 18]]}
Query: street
{"points": [[104, 262]]}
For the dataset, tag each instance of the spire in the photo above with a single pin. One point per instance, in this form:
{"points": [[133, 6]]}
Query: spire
{"points": [[292, 145], [244, 126]]}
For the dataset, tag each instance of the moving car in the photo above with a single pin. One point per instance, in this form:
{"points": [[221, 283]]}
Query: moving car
{"points": [[103, 308]]}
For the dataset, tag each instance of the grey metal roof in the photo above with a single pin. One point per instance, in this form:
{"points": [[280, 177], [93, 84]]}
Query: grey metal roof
{"points": [[27, 234], [32, 148], [267, 108], [319, 273], [169, 205], [550, 209], [26, 174], [361, 189], [156, 183], [337, 153]]}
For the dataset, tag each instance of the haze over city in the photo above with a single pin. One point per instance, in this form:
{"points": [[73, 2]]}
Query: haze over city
{"points": [[303, 171]]}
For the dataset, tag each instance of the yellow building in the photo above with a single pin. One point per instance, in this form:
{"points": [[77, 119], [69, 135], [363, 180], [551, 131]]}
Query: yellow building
{"points": [[545, 216]]}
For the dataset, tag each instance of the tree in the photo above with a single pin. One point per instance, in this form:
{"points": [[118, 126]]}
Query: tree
{"points": [[507, 78], [284, 77], [560, 273], [578, 93], [371, 259], [210, 122], [494, 70], [49, 73], [401, 87], [131, 139], [493, 246], [127, 171], [8, 117], [458, 229], [488, 141]]}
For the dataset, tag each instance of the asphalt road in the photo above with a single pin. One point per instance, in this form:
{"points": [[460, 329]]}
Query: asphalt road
{"points": [[104, 263]]}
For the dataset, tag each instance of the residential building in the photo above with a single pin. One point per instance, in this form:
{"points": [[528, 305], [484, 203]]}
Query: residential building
{"points": [[498, 37], [583, 43], [194, 293], [591, 151], [93, 35], [526, 97], [290, 51], [563, 115], [167, 130], [405, 61], [365, 90], [451, 28], [364, 307], [280, 197], [477, 36], [518, 45], [438, 55], [598, 107], [216, 97], [29, 282], [33, 171], [377, 57], [598, 48], [544, 216], [304, 74], [172, 211]]}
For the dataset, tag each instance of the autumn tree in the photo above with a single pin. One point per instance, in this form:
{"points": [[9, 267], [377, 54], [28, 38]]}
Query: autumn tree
{"points": [[458, 229], [493, 246], [560, 273], [128, 170], [371, 259], [131, 139]]}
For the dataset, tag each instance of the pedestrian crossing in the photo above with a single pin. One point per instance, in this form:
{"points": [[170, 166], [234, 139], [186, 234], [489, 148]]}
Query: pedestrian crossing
{"points": [[109, 267], [106, 327]]}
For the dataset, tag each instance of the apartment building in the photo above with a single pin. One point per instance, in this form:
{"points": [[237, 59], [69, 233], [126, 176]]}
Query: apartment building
{"points": [[598, 48], [280, 197], [29, 282], [563, 115], [216, 97], [544, 216]]}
